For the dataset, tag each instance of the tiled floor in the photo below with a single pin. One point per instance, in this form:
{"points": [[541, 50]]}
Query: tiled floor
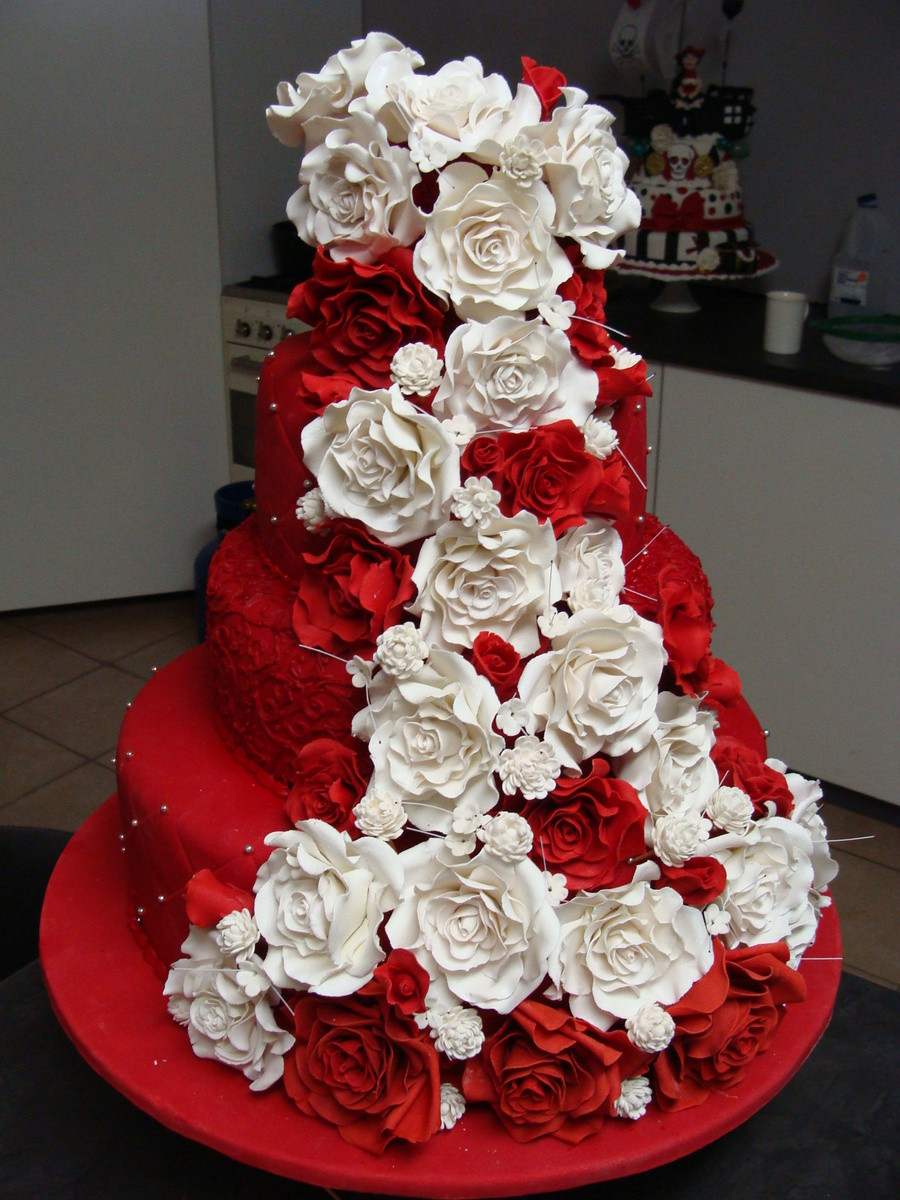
{"points": [[67, 674]]}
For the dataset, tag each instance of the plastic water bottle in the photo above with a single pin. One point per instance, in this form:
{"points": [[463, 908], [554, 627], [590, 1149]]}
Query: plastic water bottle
{"points": [[859, 271]]}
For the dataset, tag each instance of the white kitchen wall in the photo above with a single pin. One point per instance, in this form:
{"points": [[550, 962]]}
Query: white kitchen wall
{"points": [[113, 426]]}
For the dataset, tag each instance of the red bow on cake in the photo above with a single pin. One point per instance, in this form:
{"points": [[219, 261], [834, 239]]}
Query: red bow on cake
{"points": [[670, 215]]}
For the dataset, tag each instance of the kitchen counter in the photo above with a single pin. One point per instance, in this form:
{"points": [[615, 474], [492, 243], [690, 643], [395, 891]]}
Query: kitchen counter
{"points": [[726, 336]]}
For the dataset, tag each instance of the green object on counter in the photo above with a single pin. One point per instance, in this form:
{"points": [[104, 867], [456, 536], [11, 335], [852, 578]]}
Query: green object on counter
{"points": [[860, 329]]}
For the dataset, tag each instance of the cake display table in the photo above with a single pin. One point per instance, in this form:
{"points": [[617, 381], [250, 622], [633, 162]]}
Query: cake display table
{"points": [[110, 1004]]}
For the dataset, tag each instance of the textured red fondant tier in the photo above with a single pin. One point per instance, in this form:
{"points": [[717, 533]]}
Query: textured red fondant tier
{"points": [[186, 802]]}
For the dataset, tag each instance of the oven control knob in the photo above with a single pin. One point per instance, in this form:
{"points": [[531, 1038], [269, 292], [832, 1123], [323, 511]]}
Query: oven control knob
{"points": [[265, 331], [242, 329]]}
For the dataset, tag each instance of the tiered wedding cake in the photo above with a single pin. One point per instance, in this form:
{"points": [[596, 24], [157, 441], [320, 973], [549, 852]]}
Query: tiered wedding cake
{"points": [[456, 808]]}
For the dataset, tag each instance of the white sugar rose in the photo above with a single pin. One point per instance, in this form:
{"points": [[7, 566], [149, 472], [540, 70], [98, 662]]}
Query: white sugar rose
{"points": [[632, 1101], [223, 1021], [329, 92], [431, 739], [487, 246], [380, 461], [590, 564], [769, 885], [595, 690], [651, 1028], [482, 928], [401, 651], [674, 772], [498, 578], [355, 194], [807, 795], [508, 836], [512, 374], [730, 810], [416, 369], [380, 814], [320, 899], [624, 948], [585, 172], [530, 767]]}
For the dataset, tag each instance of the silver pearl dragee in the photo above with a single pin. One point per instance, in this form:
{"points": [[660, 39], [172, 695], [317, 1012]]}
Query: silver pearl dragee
{"points": [[273, 518], [248, 849], [273, 407]]}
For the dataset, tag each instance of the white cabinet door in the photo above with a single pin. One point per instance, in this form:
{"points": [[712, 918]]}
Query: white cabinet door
{"points": [[790, 498]]}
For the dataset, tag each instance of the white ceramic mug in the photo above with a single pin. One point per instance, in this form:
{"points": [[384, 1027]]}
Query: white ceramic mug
{"points": [[785, 314]]}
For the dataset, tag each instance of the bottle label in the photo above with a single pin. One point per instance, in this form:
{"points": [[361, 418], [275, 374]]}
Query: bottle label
{"points": [[849, 286]]}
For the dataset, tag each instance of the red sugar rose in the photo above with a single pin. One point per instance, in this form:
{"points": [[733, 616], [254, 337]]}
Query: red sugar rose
{"points": [[548, 472], [699, 881], [362, 313], [588, 829], [208, 899], [498, 662], [405, 982], [685, 608], [363, 1066], [586, 290], [545, 1072], [331, 779], [724, 1021], [352, 591], [546, 81], [743, 768]]}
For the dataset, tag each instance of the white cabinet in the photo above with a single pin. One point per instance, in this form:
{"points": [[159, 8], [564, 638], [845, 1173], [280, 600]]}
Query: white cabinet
{"points": [[790, 498]]}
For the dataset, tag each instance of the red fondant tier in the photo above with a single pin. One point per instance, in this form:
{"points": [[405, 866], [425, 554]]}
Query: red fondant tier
{"points": [[185, 803], [272, 695], [289, 398]]}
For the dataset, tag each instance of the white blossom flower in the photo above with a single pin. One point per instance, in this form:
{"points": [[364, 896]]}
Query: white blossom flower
{"points": [[237, 934], [465, 821], [651, 1028], [487, 247], [515, 717], [585, 172], [453, 1105], [513, 374], [320, 899], [673, 771], [708, 259], [224, 1022], [329, 92], [591, 568], [558, 313], [495, 578], [632, 1101], [401, 651], [380, 461], [717, 920], [461, 428], [416, 369], [595, 690], [431, 738], [730, 809], [678, 836], [725, 176], [355, 194], [529, 766], [557, 892], [623, 948], [380, 814], [458, 1032], [507, 835], [477, 502], [360, 671], [311, 509], [482, 928], [522, 159], [600, 439]]}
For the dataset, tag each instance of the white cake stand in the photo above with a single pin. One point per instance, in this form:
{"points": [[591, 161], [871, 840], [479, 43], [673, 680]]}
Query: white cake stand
{"points": [[676, 296]]}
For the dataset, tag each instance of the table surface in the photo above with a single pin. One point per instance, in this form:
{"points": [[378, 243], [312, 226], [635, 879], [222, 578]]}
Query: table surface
{"points": [[726, 336], [65, 1134]]}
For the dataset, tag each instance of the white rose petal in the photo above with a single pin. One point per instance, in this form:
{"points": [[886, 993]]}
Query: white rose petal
{"points": [[380, 461], [487, 246], [624, 948], [496, 578], [320, 899], [513, 374], [482, 928], [595, 690]]}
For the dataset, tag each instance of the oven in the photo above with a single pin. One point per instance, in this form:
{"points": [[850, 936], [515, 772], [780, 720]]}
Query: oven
{"points": [[253, 321]]}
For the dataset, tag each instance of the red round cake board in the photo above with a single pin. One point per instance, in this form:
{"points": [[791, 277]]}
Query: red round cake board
{"points": [[110, 1003]]}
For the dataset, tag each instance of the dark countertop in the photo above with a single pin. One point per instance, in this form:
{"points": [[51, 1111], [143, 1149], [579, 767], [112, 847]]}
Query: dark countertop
{"points": [[726, 336]]}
